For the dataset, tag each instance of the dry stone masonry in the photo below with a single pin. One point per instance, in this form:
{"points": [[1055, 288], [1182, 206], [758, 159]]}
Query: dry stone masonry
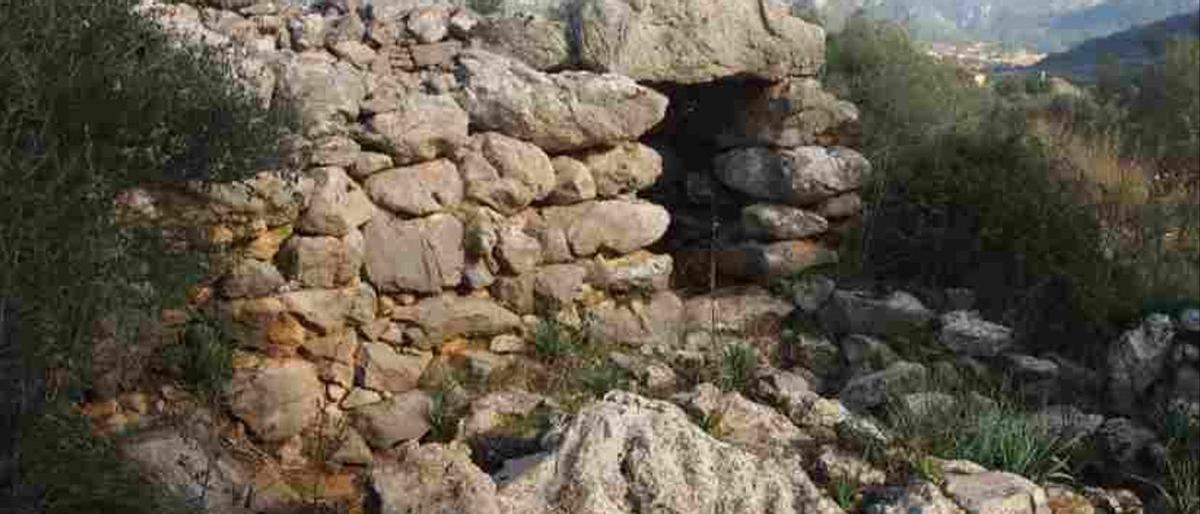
{"points": [[469, 177]]}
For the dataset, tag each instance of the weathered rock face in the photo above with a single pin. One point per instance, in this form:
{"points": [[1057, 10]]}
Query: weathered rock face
{"points": [[404, 417], [966, 333], [799, 176], [422, 255], [277, 401], [995, 492], [627, 454], [562, 112], [853, 312], [417, 190], [1137, 359], [691, 41], [204, 475], [433, 478]]}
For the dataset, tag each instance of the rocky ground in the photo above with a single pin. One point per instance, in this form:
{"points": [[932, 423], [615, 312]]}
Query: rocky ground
{"points": [[478, 295]]}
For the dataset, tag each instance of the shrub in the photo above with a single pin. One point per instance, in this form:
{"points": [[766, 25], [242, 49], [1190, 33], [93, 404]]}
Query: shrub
{"points": [[967, 193], [203, 356], [94, 100]]}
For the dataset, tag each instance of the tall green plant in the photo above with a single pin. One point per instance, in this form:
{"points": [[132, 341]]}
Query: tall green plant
{"points": [[96, 99]]}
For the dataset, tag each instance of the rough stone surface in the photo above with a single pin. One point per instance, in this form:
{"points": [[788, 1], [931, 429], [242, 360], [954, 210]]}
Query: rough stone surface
{"points": [[781, 222], [559, 113], [418, 127], [537, 41], [422, 255], [739, 421], [994, 492], [624, 168], [573, 182], [404, 417], [918, 498], [744, 311], [694, 41], [872, 390], [449, 315], [204, 475], [433, 479], [966, 333], [638, 271], [618, 226], [251, 278], [855, 312], [800, 176], [277, 401], [490, 412], [1136, 360], [385, 369], [656, 321], [417, 190], [323, 262], [337, 205], [626, 453]]}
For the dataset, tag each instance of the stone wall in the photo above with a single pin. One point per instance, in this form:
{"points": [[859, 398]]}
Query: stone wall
{"points": [[471, 177]]}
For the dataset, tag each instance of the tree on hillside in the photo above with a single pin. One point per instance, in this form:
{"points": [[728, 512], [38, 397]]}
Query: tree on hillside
{"points": [[95, 99]]}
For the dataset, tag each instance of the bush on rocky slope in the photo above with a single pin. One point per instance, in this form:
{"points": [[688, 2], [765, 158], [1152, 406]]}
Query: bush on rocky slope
{"points": [[94, 100]]}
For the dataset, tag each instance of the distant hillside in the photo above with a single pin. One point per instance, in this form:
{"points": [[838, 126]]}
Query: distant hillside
{"points": [[1137, 46], [1045, 25]]}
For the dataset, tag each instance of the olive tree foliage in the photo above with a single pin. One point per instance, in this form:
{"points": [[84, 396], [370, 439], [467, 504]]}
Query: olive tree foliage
{"points": [[96, 99]]}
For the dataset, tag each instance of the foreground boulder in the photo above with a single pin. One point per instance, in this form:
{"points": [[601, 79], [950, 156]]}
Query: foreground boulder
{"points": [[631, 455], [433, 478], [559, 113], [694, 41]]}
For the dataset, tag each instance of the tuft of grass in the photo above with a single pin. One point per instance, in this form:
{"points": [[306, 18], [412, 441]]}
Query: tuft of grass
{"points": [[554, 341], [997, 434], [446, 408], [844, 493], [711, 424], [738, 367], [602, 378]]}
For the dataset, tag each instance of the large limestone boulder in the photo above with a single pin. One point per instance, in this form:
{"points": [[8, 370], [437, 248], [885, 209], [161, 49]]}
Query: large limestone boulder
{"points": [[278, 400], [858, 312], [434, 479], [742, 311], [450, 315], [631, 455], [694, 41], [422, 255], [755, 427], [916, 498], [505, 173], [995, 492], [657, 320], [624, 168], [799, 176], [781, 222], [417, 190], [417, 127], [966, 333], [1137, 359], [385, 369], [404, 417], [328, 92], [618, 226], [205, 474], [874, 389], [337, 204], [323, 262], [559, 113], [538, 41]]}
